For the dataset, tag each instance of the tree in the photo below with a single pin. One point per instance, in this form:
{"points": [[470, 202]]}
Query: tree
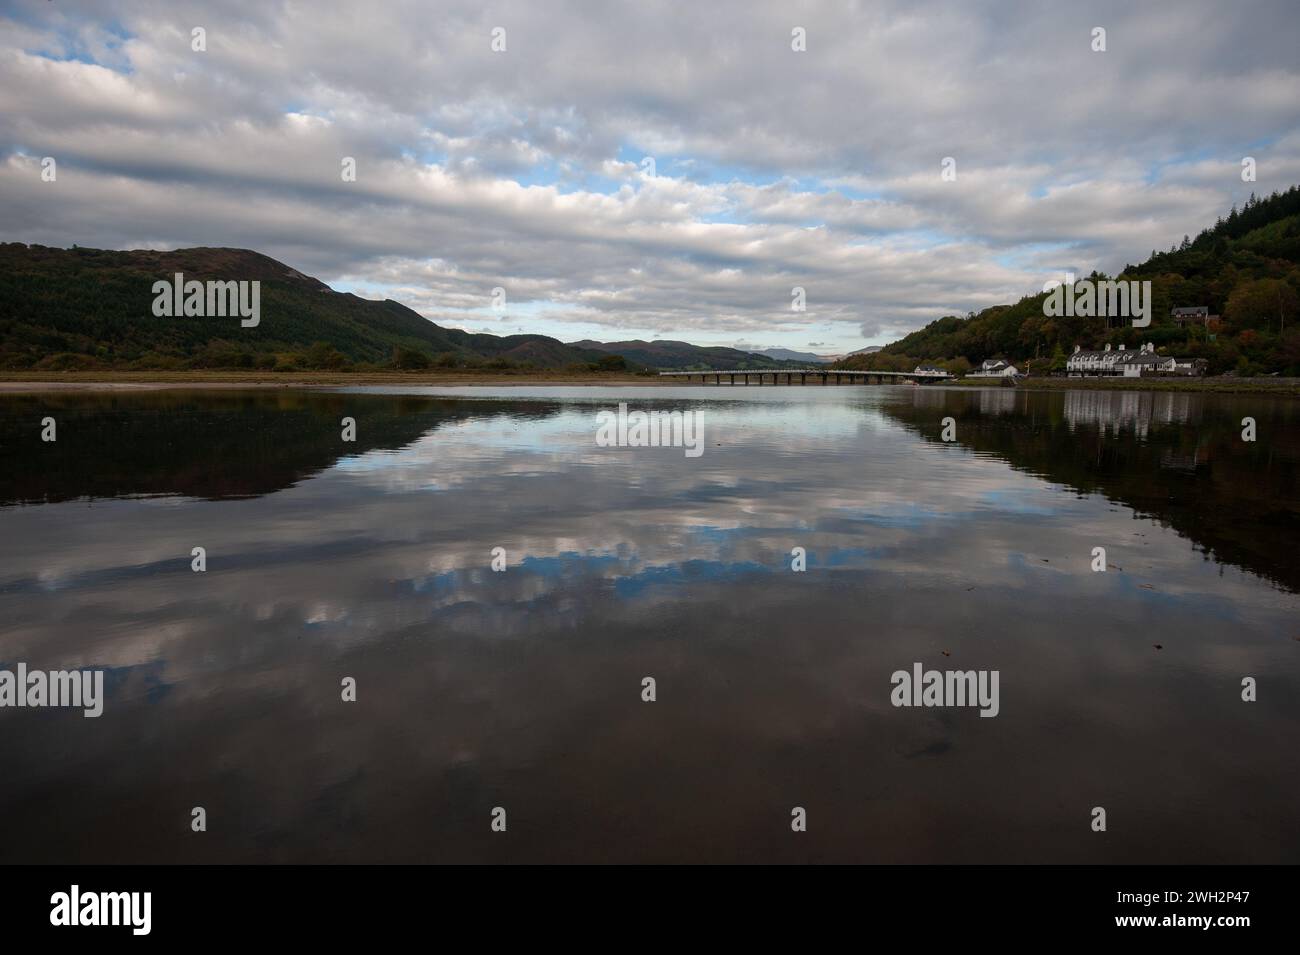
{"points": [[324, 355], [1264, 304], [1058, 358], [409, 359]]}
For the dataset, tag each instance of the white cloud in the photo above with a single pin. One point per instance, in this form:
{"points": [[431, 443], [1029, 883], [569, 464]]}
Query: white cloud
{"points": [[774, 169]]}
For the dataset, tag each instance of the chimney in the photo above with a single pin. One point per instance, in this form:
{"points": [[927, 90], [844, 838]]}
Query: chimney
{"points": [[1121, 347], [1076, 349], [1108, 346]]}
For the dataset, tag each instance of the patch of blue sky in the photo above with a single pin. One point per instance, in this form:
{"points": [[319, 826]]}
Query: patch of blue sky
{"points": [[820, 187], [549, 173], [562, 565], [1159, 170], [546, 173], [905, 516], [424, 157], [448, 581], [729, 216], [724, 536], [69, 46], [593, 183], [557, 567], [1031, 254], [694, 170], [1262, 142], [690, 571]]}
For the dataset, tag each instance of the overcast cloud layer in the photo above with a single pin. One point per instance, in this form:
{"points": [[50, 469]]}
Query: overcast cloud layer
{"points": [[524, 169]]}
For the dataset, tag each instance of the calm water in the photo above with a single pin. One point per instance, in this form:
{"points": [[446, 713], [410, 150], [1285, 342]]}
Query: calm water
{"points": [[522, 689]]}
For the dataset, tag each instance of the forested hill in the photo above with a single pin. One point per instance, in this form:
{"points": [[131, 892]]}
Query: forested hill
{"points": [[91, 308], [1245, 268]]}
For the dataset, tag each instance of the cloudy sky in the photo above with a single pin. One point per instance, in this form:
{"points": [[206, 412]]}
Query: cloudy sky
{"points": [[652, 169]]}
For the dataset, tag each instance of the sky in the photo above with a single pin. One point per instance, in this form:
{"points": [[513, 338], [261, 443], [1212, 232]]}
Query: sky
{"points": [[655, 169]]}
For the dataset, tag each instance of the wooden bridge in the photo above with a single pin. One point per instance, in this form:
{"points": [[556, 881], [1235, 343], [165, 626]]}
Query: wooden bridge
{"points": [[827, 376]]}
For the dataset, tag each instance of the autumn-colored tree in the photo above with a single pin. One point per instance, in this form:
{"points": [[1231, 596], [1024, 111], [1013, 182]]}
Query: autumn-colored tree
{"points": [[1264, 304]]}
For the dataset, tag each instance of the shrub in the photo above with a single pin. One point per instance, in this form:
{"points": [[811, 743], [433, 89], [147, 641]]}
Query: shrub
{"points": [[324, 356], [153, 361], [409, 359], [68, 361]]}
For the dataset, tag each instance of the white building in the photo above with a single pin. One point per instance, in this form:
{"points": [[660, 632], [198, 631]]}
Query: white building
{"points": [[995, 368], [1118, 361], [1135, 364], [1085, 363]]}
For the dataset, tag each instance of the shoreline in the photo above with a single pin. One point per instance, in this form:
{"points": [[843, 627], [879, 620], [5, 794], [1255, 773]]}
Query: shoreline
{"points": [[18, 382], [36, 382]]}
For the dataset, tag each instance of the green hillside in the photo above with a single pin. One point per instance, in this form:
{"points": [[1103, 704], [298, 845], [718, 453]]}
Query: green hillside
{"points": [[87, 308], [1245, 268]]}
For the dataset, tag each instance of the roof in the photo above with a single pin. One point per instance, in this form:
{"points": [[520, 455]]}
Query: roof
{"points": [[1096, 354], [1142, 358]]}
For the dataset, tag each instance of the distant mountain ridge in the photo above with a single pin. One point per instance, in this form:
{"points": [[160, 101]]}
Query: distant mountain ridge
{"points": [[786, 354], [683, 356]]}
